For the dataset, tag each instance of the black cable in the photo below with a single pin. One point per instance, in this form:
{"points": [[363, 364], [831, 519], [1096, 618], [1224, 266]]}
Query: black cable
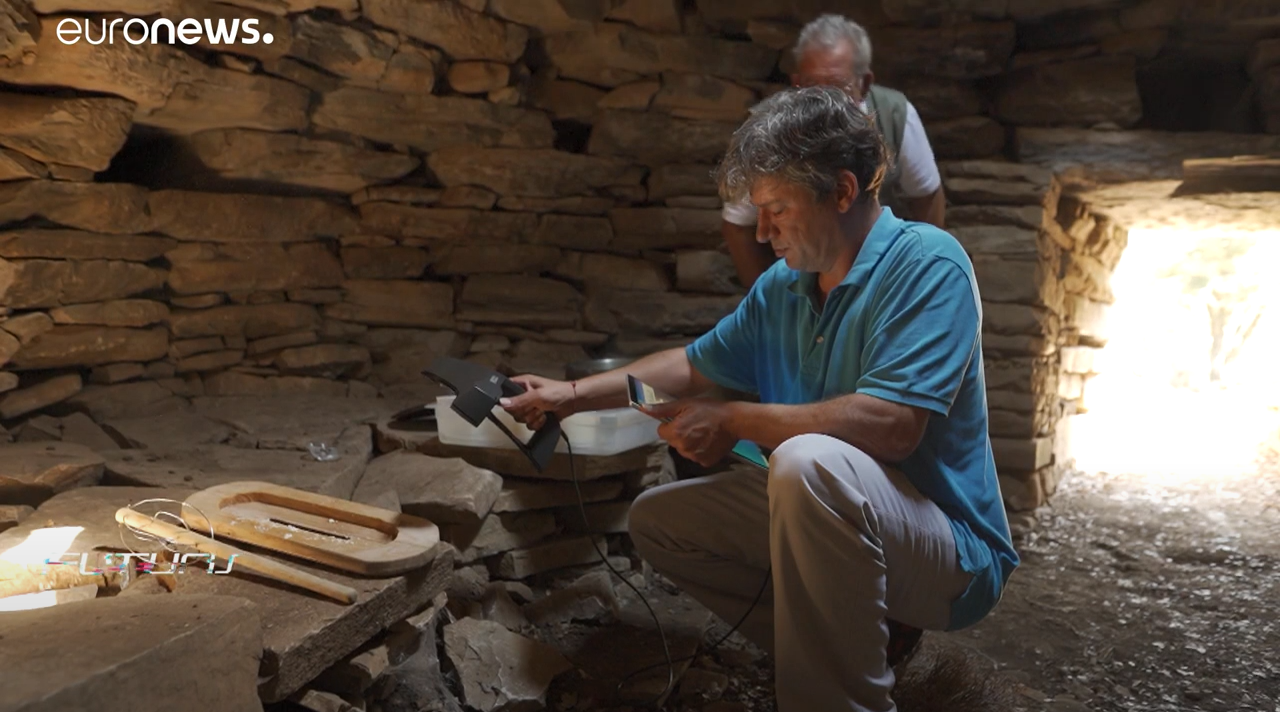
{"points": [[666, 650]]}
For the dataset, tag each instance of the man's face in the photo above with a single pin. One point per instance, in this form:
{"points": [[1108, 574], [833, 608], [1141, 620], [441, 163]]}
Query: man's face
{"points": [[831, 67], [798, 228]]}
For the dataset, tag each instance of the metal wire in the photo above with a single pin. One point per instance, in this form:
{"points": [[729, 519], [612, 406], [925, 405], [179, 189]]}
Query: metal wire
{"points": [[148, 536]]}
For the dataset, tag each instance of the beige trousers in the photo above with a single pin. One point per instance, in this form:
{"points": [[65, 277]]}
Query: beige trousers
{"points": [[850, 542]]}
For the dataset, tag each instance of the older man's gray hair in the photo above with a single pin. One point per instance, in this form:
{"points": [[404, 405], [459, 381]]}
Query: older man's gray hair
{"points": [[806, 137], [830, 32]]}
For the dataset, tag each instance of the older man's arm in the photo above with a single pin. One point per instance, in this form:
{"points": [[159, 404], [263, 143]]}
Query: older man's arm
{"points": [[930, 208], [750, 258], [887, 431]]}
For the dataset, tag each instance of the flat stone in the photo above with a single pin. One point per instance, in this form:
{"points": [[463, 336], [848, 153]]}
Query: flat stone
{"points": [[412, 70], [1101, 89], [1021, 455], [519, 299], [937, 98], [179, 350], [657, 228], [11, 515], [204, 466], [484, 652], [549, 16], [211, 361], [573, 205], [229, 217], [304, 632], [565, 99], [123, 312], [39, 428], [966, 137], [629, 134], [657, 313], [172, 90], [542, 173], [496, 259], [200, 301], [243, 154], [112, 208], [345, 51], [682, 180], [407, 194], [15, 166], [614, 271], [8, 382], [1000, 192], [455, 224], [244, 381], [499, 533], [428, 122], [574, 232], [700, 96], [65, 346], [31, 473], [468, 196], [50, 283], [54, 390], [109, 659], [25, 327], [548, 556], [590, 598], [443, 490], [291, 423], [478, 77], [80, 429], [609, 54], [395, 303], [461, 33], [85, 132], [250, 321], [658, 16], [956, 51], [126, 400], [323, 360], [520, 495], [172, 431], [397, 262]]}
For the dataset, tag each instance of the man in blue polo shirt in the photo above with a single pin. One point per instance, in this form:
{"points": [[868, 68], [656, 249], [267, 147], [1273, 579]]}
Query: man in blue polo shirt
{"points": [[881, 502]]}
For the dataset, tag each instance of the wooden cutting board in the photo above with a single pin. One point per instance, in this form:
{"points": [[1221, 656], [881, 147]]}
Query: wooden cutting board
{"points": [[350, 536]]}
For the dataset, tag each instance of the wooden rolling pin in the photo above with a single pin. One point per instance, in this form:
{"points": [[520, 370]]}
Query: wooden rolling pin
{"points": [[244, 559]]}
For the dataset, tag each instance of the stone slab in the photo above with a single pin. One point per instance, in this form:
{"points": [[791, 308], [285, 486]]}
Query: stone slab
{"points": [[194, 652], [293, 422], [302, 633], [522, 495], [208, 465], [443, 490], [172, 431], [33, 472], [547, 556]]}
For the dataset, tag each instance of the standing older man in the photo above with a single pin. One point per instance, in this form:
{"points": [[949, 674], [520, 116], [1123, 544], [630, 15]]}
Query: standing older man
{"points": [[835, 51], [864, 342]]}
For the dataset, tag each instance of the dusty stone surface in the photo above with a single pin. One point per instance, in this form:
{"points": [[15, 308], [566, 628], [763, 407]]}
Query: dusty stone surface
{"points": [[204, 466], [520, 495], [302, 633], [80, 429], [81, 132], [127, 400], [31, 473], [16, 403], [172, 431], [498, 533], [484, 651], [53, 283], [445, 491], [291, 423], [194, 638], [547, 556]]}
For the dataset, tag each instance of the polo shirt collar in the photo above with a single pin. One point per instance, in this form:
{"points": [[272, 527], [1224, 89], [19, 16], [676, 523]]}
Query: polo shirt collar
{"points": [[878, 240]]}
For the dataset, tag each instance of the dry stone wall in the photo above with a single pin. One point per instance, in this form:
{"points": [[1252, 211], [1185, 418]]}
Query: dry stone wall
{"points": [[521, 183]]}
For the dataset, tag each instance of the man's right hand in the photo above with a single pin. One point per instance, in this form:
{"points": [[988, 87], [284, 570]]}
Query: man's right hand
{"points": [[541, 396]]}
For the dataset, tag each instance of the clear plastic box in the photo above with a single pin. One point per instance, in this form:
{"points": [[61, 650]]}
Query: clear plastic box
{"points": [[601, 432]]}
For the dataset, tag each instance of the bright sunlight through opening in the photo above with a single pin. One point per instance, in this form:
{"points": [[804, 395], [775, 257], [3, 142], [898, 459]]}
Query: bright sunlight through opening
{"points": [[1188, 386]]}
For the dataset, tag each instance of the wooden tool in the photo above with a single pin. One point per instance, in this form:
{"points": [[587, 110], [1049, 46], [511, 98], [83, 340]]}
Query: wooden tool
{"points": [[243, 559], [346, 535]]}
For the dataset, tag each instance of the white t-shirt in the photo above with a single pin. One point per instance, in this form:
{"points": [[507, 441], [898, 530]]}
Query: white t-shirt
{"points": [[918, 171]]}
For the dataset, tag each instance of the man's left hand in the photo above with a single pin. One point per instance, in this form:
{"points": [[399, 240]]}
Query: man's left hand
{"points": [[698, 429]]}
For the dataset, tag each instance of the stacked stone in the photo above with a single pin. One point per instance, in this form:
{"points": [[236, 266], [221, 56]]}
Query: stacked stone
{"points": [[1004, 217]]}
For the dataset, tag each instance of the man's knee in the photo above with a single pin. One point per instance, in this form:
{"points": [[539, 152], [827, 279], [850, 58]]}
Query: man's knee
{"points": [[645, 519], [800, 469]]}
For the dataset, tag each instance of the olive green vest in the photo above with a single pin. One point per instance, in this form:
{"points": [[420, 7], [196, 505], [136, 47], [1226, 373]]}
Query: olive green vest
{"points": [[890, 109]]}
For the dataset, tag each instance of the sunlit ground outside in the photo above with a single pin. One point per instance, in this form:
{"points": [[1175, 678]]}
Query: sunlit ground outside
{"points": [[1167, 403]]}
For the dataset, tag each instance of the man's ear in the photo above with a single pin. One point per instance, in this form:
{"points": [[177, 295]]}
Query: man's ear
{"points": [[847, 191]]}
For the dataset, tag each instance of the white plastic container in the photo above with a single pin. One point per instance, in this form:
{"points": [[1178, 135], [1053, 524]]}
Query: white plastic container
{"points": [[601, 432]]}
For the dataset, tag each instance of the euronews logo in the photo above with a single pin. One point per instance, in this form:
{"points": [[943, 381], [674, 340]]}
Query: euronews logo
{"points": [[136, 31]]}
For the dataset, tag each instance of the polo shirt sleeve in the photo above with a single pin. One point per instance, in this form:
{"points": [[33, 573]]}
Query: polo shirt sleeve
{"points": [[728, 353], [925, 328]]}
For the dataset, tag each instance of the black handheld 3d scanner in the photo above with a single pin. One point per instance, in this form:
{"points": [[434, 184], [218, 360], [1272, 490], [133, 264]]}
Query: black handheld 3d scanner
{"points": [[478, 390]]}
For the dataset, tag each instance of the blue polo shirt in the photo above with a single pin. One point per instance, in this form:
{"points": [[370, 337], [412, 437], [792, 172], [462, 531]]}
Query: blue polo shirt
{"points": [[905, 325]]}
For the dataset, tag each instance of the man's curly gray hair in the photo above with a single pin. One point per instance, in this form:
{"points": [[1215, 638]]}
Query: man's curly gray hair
{"points": [[830, 32], [806, 137]]}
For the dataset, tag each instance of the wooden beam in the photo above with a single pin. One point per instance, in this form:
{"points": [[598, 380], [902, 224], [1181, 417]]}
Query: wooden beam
{"points": [[19, 30], [1235, 174]]}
